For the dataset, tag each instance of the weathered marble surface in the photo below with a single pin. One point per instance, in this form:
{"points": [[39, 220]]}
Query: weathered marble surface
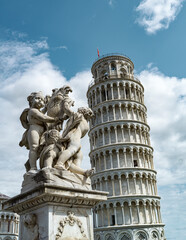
{"points": [[56, 213]]}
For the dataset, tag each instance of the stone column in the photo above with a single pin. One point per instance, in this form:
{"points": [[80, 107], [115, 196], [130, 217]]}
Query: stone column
{"points": [[102, 217], [145, 213], [130, 94], [125, 157], [100, 95], [123, 213], [141, 183], [120, 185], [111, 161], [113, 187], [118, 91], [128, 188], [112, 94], [116, 134], [109, 135], [132, 111], [138, 215], [122, 132], [103, 136], [137, 114], [147, 185], [114, 113], [124, 92], [129, 134], [135, 94], [151, 215], [105, 87], [106, 182], [120, 112], [115, 214], [107, 108], [104, 159], [101, 110], [135, 135], [134, 177], [130, 211], [127, 113], [108, 215], [117, 155]]}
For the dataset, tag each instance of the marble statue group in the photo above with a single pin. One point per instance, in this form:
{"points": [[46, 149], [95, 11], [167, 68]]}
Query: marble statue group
{"points": [[53, 132]]}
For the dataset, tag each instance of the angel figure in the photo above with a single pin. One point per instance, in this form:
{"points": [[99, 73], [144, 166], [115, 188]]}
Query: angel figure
{"points": [[76, 128], [35, 122]]}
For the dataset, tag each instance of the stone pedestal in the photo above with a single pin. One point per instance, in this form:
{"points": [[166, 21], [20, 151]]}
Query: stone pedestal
{"points": [[50, 211]]}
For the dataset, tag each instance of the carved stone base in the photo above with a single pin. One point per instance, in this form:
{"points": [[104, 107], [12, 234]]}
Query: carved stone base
{"points": [[51, 212], [55, 177]]}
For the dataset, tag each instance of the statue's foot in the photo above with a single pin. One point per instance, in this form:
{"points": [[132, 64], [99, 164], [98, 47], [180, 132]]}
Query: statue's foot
{"points": [[89, 173], [60, 167]]}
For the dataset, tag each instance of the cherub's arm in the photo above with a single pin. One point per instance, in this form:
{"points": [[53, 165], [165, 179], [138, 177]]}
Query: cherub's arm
{"points": [[41, 117], [67, 109]]}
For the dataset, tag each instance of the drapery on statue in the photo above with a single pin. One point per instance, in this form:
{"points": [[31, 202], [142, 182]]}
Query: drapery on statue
{"points": [[43, 138]]}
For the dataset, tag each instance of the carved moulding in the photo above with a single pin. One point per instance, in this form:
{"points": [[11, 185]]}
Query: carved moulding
{"points": [[71, 220], [47, 193]]}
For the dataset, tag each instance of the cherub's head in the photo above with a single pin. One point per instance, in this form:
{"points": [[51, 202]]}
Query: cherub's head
{"points": [[36, 99], [66, 89], [87, 112]]}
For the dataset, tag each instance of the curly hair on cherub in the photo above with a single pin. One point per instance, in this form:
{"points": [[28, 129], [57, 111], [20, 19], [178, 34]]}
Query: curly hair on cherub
{"points": [[32, 96], [85, 111]]}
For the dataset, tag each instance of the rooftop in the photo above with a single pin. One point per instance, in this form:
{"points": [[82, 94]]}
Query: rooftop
{"points": [[3, 196]]}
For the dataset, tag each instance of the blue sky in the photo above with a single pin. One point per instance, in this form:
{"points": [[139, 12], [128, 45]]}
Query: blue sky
{"points": [[45, 44]]}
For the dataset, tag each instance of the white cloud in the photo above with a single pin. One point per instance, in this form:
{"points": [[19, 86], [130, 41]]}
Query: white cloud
{"points": [[157, 14], [24, 69], [165, 98]]}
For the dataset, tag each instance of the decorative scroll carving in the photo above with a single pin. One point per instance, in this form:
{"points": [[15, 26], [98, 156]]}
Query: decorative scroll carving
{"points": [[71, 220]]}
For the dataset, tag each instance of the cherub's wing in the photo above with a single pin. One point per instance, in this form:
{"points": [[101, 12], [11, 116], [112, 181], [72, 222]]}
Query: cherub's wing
{"points": [[23, 118]]}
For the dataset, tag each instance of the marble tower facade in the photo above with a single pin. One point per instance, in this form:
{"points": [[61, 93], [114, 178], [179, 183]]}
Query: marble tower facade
{"points": [[121, 154]]}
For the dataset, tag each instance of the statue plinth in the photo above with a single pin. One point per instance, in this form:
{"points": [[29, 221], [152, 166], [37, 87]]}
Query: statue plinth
{"points": [[53, 212], [56, 177]]}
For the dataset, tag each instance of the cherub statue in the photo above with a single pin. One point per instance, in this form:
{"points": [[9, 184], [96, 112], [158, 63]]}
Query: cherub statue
{"points": [[51, 148], [35, 122], [76, 128]]}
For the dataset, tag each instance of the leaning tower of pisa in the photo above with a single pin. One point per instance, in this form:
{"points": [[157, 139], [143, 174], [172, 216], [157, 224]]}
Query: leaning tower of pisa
{"points": [[121, 154]]}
